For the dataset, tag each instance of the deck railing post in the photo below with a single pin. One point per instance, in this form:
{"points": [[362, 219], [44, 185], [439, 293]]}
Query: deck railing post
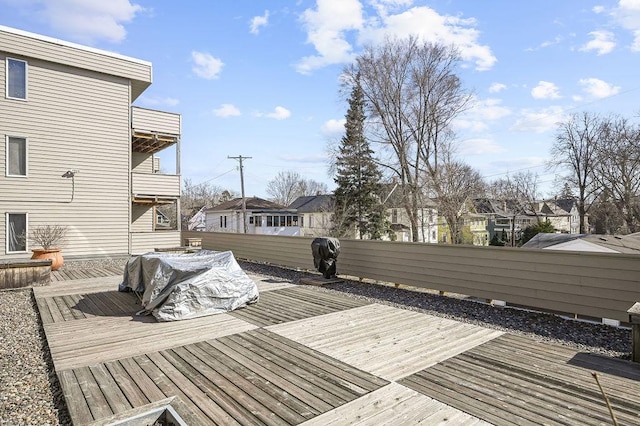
{"points": [[634, 319]]}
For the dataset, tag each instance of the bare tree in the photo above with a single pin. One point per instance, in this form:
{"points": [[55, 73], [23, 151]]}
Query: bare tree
{"points": [[289, 185], [412, 94], [457, 182], [576, 151], [284, 188], [193, 197], [518, 194], [312, 187], [618, 168]]}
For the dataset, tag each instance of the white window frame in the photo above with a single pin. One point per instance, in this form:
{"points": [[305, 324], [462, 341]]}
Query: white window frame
{"points": [[26, 79], [26, 156], [6, 233]]}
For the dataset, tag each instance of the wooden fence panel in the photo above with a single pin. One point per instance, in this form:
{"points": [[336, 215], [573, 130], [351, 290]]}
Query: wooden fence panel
{"points": [[603, 285]]}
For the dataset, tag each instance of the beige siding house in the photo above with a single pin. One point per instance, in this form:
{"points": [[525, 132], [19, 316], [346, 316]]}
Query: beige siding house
{"points": [[76, 153]]}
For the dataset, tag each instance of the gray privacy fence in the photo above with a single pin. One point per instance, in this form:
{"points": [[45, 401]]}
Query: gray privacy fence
{"points": [[603, 285]]}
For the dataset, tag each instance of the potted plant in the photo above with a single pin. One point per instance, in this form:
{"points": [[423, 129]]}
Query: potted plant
{"points": [[50, 239]]}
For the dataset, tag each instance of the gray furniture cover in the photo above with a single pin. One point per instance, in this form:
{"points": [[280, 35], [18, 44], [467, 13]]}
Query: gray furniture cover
{"points": [[182, 286]]}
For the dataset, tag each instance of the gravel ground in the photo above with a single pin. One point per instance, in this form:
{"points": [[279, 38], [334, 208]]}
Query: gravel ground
{"points": [[30, 393]]}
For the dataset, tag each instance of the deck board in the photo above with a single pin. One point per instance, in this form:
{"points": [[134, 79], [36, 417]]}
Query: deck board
{"points": [[100, 339], [395, 404], [294, 303], [385, 341], [212, 387], [313, 356], [514, 380]]}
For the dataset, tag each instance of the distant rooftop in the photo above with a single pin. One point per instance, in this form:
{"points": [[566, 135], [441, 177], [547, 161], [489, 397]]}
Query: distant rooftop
{"points": [[614, 243]]}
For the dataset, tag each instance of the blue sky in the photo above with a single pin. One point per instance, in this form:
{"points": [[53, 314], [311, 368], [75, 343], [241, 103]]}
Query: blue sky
{"points": [[260, 79]]}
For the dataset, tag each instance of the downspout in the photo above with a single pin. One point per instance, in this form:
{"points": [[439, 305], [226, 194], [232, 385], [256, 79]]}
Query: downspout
{"points": [[130, 188], [178, 212]]}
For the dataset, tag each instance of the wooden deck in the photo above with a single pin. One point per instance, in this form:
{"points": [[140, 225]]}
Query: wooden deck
{"points": [[304, 355]]}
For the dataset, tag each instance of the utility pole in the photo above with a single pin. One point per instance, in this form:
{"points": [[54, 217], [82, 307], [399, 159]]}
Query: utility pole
{"points": [[244, 201]]}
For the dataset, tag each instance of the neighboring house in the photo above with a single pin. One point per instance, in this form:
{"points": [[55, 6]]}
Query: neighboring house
{"points": [[315, 212], [162, 220], [476, 225], [587, 242], [427, 223], [77, 153], [563, 215], [198, 220], [401, 225], [503, 217], [263, 217]]}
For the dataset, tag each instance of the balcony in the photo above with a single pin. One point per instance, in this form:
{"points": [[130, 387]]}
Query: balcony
{"points": [[152, 131], [154, 188]]}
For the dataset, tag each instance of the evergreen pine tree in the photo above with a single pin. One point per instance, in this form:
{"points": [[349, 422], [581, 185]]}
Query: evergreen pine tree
{"points": [[357, 203]]}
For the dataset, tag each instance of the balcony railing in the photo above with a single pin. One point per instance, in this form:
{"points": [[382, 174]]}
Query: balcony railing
{"points": [[149, 120], [155, 184]]}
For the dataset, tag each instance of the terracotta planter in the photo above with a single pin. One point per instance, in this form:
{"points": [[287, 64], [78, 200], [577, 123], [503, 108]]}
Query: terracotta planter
{"points": [[54, 254]]}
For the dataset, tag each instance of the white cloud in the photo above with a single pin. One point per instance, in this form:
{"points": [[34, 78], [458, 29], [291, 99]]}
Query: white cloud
{"points": [[333, 126], [480, 147], [326, 27], [545, 90], [497, 87], [598, 9], [627, 14], [556, 40], [205, 65], [332, 21], [226, 110], [603, 42], [477, 118], [538, 121], [258, 21], [430, 26], [279, 113], [159, 101], [598, 88], [84, 21]]}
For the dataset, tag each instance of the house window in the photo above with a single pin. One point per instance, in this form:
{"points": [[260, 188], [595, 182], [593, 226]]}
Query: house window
{"points": [[394, 216], [433, 235], [16, 156], [251, 220], [301, 221], [310, 221], [258, 221], [16, 230], [16, 79], [269, 221], [223, 221]]}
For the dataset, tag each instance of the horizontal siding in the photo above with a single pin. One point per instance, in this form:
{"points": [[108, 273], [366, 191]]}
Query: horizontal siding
{"points": [[73, 119], [145, 242], [155, 184], [287, 251], [141, 163], [596, 284], [102, 62], [141, 218], [155, 121]]}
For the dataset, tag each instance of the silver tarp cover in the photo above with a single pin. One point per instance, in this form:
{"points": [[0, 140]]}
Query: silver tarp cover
{"points": [[182, 286]]}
